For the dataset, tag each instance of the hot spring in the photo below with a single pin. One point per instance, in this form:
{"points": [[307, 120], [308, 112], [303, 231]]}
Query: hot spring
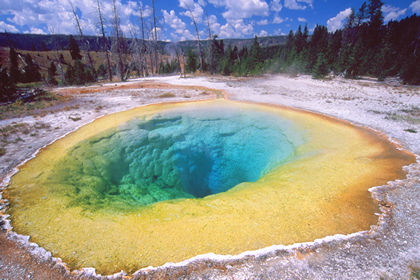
{"points": [[163, 183]]}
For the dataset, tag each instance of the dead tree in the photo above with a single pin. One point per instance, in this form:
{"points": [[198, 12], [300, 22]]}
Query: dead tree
{"points": [[104, 43], [198, 38], [142, 47], [85, 43], [155, 56], [118, 44]]}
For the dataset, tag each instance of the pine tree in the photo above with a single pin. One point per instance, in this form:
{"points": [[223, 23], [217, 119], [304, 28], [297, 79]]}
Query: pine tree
{"points": [[255, 60], [14, 67], [52, 71], [321, 68], [7, 87], [228, 61], [191, 61], [74, 49], [31, 71]]}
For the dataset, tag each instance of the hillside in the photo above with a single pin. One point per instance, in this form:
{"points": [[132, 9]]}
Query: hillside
{"points": [[34, 42]]}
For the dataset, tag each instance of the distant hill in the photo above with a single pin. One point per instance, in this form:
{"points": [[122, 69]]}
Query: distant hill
{"points": [[33, 42]]}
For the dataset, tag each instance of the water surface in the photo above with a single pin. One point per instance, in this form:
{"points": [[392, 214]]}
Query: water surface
{"points": [[163, 183]]}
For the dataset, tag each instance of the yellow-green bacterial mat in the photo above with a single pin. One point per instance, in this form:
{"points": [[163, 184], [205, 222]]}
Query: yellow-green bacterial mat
{"points": [[164, 183]]}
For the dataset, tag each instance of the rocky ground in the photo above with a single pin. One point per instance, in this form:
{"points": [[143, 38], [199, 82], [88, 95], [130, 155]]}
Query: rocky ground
{"points": [[390, 250]]}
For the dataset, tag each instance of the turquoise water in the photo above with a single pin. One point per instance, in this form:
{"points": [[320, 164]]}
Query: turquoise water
{"points": [[178, 153]]}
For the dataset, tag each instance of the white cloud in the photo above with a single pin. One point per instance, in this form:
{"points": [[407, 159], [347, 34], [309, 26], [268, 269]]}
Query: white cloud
{"points": [[194, 12], [173, 20], [278, 19], [392, 13], [10, 5], [186, 4], [240, 9], [235, 28], [35, 30], [262, 22], [180, 31], [337, 22], [57, 14], [298, 4], [8, 27], [276, 6], [415, 6], [217, 3], [301, 19], [278, 32], [263, 33], [214, 25]]}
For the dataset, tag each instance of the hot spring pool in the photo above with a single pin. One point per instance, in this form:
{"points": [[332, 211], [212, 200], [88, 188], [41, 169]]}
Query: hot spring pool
{"points": [[163, 183]]}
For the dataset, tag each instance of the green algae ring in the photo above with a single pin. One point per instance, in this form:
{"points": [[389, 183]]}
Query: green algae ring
{"points": [[164, 183]]}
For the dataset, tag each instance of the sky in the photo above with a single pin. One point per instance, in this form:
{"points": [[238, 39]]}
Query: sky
{"points": [[175, 18]]}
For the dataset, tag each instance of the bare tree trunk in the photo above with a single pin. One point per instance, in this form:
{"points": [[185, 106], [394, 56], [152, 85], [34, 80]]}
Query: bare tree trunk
{"points": [[198, 39], [85, 44], [143, 49], [155, 45], [102, 29], [209, 48], [118, 40]]}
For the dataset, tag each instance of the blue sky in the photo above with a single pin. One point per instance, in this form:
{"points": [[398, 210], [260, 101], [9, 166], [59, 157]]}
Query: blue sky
{"points": [[226, 18]]}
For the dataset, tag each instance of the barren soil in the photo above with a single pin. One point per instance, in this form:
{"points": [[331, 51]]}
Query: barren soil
{"points": [[390, 250]]}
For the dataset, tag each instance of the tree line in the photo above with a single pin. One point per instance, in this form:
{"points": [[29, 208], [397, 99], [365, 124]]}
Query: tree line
{"points": [[365, 46]]}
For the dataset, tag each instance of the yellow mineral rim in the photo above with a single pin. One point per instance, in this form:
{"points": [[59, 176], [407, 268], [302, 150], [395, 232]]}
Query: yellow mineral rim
{"points": [[322, 190]]}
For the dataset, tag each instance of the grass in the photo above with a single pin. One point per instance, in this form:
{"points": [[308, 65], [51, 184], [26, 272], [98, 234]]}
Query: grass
{"points": [[11, 134], [166, 95], [36, 107], [415, 273]]}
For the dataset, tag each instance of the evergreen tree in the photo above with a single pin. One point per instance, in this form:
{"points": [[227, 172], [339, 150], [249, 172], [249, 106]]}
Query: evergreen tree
{"points": [[74, 49], [255, 60], [362, 15], [7, 87], [14, 67], [52, 71], [191, 61], [31, 70], [321, 68], [69, 75], [228, 61], [216, 56], [318, 46]]}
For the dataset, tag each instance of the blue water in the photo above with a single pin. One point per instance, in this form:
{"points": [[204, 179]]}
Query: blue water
{"points": [[179, 153]]}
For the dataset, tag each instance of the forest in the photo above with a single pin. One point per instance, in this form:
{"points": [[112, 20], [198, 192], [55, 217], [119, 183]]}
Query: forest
{"points": [[365, 46]]}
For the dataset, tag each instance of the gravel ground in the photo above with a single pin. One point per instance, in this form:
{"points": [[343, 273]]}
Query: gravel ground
{"points": [[390, 250]]}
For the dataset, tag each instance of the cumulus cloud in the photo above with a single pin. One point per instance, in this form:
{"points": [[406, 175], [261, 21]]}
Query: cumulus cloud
{"points": [[35, 30], [301, 19], [8, 27], [276, 6], [278, 19], [337, 22], [173, 20], [195, 11], [45, 15], [235, 28], [298, 4], [240, 9], [392, 13], [415, 6], [262, 22], [263, 33], [217, 3], [180, 32]]}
